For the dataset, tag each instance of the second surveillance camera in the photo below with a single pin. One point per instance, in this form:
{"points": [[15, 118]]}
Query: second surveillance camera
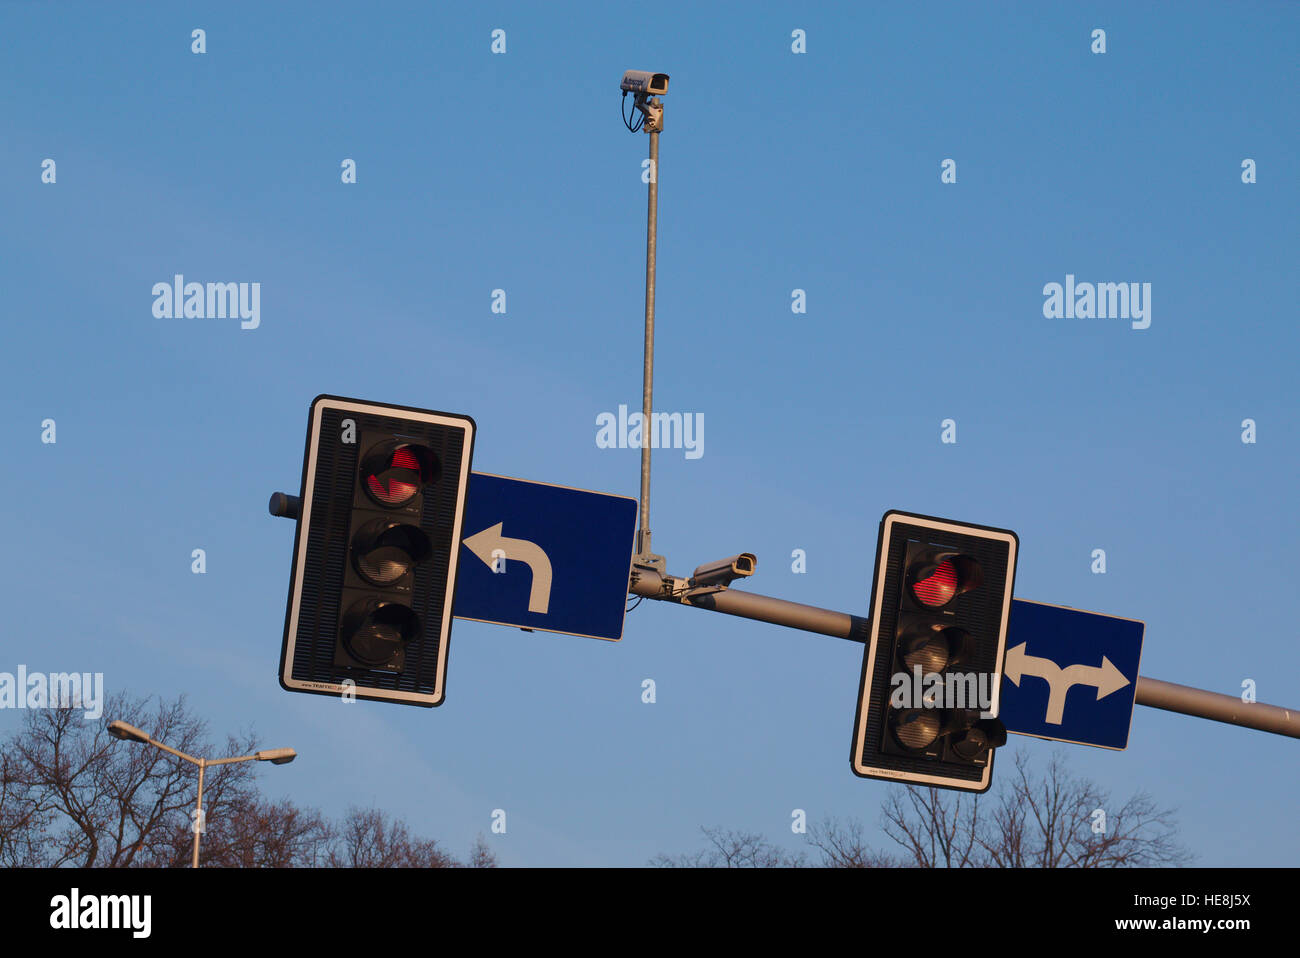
{"points": [[724, 571], [639, 81]]}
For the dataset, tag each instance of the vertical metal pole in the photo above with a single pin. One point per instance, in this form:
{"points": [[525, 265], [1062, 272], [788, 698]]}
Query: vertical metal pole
{"points": [[198, 815], [647, 382]]}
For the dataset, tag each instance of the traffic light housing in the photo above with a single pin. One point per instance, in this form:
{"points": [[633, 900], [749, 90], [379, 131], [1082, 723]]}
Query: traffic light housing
{"points": [[374, 560], [932, 668]]}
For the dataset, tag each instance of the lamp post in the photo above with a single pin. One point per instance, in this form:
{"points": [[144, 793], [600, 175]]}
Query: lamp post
{"points": [[276, 756], [646, 87]]}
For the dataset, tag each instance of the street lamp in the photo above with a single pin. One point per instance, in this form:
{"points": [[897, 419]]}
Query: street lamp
{"points": [[276, 756]]}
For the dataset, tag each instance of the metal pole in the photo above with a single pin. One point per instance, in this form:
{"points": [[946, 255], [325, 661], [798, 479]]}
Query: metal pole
{"points": [[1217, 706], [648, 372], [198, 815], [764, 608], [1150, 692]]}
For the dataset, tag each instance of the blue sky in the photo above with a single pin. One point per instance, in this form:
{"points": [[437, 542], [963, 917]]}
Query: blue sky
{"points": [[818, 171]]}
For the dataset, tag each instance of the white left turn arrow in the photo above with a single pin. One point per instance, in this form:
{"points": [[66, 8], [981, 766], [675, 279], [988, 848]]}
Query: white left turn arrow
{"points": [[484, 544]]}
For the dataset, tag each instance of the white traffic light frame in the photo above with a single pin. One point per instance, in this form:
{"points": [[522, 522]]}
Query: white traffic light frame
{"points": [[939, 528], [301, 542]]}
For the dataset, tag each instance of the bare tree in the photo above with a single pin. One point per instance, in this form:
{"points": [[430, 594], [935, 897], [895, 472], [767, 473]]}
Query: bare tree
{"points": [[253, 832], [257, 833], [81, 797], [72, 794], [480, 855], [370, 838], [935, 828], [22, 820], [842, 845], [1059, 820], [1046, 820], [732, 849]]}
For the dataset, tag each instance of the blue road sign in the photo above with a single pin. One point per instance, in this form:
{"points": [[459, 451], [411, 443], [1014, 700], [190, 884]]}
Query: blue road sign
{"points": [[546, 557], [1070, 675]]}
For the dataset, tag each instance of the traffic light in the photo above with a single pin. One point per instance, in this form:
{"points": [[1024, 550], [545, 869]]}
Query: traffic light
{"points": [[374, 560], [928, 698]]}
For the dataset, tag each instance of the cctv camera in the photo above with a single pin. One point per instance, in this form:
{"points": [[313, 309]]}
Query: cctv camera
{"points": [[639, 81], [724, 571]]}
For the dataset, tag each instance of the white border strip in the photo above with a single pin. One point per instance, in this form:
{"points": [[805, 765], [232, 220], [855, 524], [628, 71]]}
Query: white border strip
{"points": [[309, 485], [863, 711]]}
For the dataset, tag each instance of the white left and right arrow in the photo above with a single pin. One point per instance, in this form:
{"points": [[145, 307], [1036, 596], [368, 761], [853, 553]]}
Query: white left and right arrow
{"points": [[1106, 677]]}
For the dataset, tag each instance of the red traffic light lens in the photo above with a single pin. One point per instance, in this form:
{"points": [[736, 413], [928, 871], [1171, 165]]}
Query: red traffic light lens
{"points": [[394, 477], [938, 587]]}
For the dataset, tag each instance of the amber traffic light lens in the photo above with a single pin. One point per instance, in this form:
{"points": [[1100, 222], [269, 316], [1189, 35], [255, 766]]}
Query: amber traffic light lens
{"points": [[383, 551]]}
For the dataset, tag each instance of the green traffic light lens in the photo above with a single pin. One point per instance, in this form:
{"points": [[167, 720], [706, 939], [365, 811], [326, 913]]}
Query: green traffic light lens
{"points": [[374, 631]]}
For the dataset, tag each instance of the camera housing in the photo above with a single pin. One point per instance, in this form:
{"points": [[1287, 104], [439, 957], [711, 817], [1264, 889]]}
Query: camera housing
{"points": [[642, 81], [725, 571]]}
